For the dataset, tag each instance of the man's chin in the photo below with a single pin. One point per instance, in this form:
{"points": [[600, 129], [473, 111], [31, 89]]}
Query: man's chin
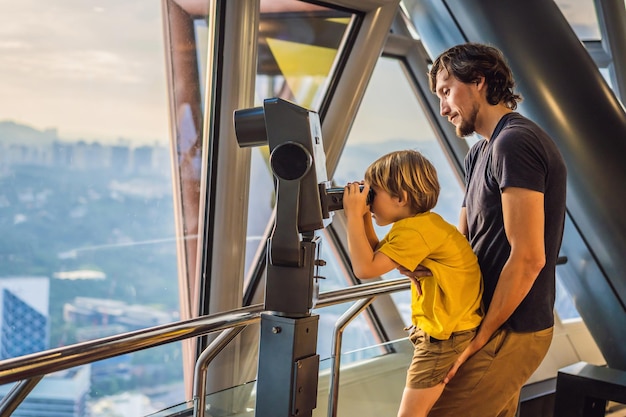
{"points": [[460, 134], [464, 132]]}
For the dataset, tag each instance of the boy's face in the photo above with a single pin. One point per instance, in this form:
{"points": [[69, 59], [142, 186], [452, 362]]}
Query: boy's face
{"points": [[385, 208]]}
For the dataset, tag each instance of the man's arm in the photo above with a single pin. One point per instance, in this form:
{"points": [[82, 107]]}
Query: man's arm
{"points": [[523, 212], [463, 222]]}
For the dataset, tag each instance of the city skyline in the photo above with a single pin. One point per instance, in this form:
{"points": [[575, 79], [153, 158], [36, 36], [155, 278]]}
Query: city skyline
{"points": [[16, 133]]}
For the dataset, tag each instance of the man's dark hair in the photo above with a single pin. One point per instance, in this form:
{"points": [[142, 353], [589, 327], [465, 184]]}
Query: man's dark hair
{"points": [[470, 61]]}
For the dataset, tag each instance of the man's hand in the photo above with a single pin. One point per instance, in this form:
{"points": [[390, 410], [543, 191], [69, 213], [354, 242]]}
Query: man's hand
{"points": [[475, 345], [415, 276]]}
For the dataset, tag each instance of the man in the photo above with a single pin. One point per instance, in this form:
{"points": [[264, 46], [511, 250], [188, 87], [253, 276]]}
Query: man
{"points": [[513, 215]]}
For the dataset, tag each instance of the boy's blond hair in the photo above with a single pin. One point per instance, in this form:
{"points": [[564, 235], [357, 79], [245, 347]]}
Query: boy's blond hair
{"points": [[408, 171]]}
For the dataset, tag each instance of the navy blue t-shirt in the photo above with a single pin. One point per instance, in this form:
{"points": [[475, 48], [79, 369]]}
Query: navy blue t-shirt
{"points": [[519, 154]]}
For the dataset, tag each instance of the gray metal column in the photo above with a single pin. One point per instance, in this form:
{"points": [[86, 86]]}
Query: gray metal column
{"points": [[288, 366], [230, 78], [340, 110]]}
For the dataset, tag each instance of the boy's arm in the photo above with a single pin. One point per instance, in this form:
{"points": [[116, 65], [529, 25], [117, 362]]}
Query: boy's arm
{"points": [[362, 240], [369, 231], [366, 261]]}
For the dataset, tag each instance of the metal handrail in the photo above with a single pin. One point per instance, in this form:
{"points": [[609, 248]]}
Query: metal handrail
{"points": [[18, 393], [49, 361], [202, 364], [340, 325], [357, 292], [32, 366], [364, 294]]}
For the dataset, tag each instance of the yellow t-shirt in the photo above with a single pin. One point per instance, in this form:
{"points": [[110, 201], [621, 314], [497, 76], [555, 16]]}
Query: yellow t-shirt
{"points": [[451, 298]]}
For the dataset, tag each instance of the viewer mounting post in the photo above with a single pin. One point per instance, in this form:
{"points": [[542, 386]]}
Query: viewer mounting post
{"points": [[288, 363]]}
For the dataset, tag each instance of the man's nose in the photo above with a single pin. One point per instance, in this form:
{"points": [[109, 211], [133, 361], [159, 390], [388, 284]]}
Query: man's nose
{"points": [[443, 108]]}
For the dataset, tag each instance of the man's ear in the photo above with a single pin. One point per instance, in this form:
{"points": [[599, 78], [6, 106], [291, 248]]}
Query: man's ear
{"points": [[480, 82]]}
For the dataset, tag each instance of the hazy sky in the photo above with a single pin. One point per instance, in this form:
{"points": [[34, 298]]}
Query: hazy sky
{"points": [[92, 69], [95, 69], [581, 15], [389, 109]]}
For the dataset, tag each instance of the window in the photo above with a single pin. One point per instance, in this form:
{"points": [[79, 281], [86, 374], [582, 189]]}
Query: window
{"points": [[298, 46], [86, 207], [390, 118]]}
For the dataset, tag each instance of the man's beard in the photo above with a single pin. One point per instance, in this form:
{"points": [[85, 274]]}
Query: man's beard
{"points": [[468, 125]]}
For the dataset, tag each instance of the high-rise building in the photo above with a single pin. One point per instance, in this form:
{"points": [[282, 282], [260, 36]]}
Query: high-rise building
{"points": [[24, 329], [24, 326]]}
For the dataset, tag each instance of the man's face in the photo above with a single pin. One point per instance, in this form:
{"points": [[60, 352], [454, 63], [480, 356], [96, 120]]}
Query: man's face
{"points": [[457, 102]]}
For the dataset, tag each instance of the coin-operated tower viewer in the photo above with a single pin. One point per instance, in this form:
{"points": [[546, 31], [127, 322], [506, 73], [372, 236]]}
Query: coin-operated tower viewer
{"points": [[288, 363]]}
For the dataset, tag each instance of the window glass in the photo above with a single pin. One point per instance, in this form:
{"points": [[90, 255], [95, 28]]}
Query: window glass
{"points": [[299, 44], [356, 335], [564, 305], [606, 74], [582, 17], [261, 203], [88, 245], [297, 47], [574, 250], [390, 118]]}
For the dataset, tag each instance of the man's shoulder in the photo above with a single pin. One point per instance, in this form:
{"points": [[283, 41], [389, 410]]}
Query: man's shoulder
{"points": [[523, 135], [518, 125], [519, 135]]}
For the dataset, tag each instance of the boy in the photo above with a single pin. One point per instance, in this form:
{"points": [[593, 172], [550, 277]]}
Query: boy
{"points": [[446, 307]]}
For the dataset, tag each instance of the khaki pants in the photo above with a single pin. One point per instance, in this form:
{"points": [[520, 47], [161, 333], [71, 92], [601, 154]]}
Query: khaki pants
{"points": [[489, 383]]}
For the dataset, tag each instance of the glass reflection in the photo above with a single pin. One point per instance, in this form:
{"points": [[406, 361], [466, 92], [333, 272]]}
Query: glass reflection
{"points": [[298, 46]]}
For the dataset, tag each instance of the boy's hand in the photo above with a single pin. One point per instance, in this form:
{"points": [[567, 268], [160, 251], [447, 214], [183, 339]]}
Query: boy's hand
{"points": [[355, 200], [416, 275]]}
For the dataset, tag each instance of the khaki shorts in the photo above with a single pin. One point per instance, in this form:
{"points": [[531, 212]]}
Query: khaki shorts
{"points": [[433, 358]]}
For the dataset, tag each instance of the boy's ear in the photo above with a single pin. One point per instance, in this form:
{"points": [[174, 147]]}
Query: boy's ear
{"points": [[403, 199]]}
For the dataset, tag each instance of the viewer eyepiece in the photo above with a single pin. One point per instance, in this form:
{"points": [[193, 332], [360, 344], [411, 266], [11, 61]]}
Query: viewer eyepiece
{"points": [[333, 198]]}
